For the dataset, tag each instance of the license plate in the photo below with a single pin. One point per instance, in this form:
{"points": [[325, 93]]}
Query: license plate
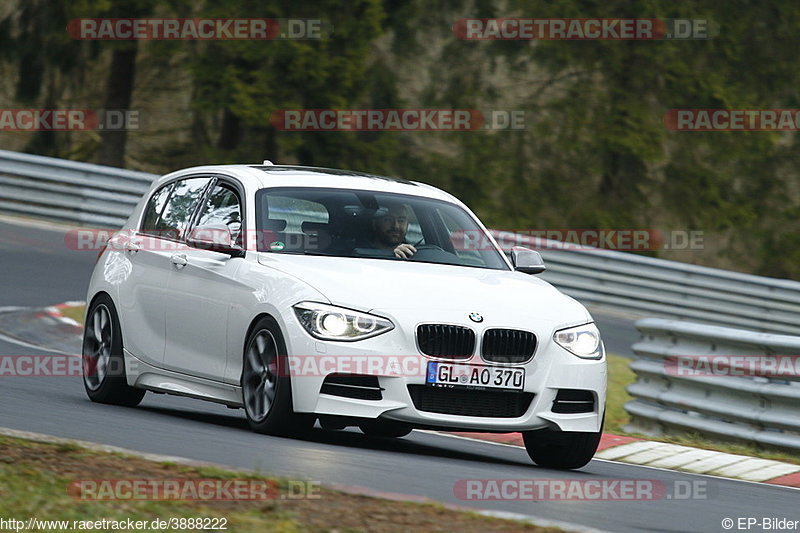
{"points": [[474, 376]]}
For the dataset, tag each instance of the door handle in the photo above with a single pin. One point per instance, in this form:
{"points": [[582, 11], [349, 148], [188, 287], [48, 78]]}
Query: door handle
{"points": [[179, 260]]}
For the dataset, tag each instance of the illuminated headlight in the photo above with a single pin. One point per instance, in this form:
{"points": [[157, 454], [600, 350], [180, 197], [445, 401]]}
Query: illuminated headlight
{"points": [[332, 323], [583, 341]]}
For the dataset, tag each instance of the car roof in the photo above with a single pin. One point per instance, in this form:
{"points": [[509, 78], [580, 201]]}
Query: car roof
{"points": [[262, 176]]}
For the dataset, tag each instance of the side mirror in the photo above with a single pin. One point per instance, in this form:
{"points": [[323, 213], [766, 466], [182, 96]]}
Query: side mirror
{"points": [[527, 261], [215, 237]]}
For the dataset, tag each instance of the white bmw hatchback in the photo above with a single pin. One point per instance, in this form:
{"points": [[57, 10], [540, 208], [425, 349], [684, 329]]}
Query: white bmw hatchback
{"points": [[304, 294]]}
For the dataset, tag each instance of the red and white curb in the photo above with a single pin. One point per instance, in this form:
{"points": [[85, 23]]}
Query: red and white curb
{"points": [[675, 457], [57, 312]]}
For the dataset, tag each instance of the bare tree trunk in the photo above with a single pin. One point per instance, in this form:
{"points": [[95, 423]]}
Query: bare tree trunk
{"points": [[119, 90], [230, 131]]}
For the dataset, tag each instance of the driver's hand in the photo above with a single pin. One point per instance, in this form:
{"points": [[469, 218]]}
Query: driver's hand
{"points": [[404, 251]]}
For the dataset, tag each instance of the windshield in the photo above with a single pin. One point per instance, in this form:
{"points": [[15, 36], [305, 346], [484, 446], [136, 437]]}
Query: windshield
{"points": [[350, 223]]}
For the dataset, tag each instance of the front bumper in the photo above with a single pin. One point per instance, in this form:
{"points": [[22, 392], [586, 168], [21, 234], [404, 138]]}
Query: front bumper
{"points": [[394, 358]]}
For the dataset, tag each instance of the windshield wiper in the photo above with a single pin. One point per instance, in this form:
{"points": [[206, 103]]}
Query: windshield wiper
{"points": [[298, 252]]}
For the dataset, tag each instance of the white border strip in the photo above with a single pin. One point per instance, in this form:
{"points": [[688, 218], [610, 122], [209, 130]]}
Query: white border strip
{"points": [[33, 346], [621, 462]]}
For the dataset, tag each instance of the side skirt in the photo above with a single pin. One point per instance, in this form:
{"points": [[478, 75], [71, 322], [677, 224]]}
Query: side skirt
{"points": [[146, 376]]}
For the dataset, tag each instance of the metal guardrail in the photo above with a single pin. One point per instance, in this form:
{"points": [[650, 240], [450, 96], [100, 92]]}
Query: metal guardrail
{"points": [[96, 195], [81, 193], [689, 379], [648, 286]]}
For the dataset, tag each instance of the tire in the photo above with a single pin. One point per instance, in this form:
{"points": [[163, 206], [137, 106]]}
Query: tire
{"points": [[104, 376], [385, 428], [266, 392], [561, 450]]}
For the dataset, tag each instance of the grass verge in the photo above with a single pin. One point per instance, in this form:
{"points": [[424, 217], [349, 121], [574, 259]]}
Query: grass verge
{"points": [[34, 478], [75, 313]]}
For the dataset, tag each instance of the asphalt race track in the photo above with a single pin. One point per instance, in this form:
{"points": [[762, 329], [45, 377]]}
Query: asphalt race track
{"points": [[38, 269]]}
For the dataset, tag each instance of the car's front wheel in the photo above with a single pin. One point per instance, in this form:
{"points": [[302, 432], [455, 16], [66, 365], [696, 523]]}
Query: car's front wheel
{"points": [[562, 450], [103, 362], [266, 386]]}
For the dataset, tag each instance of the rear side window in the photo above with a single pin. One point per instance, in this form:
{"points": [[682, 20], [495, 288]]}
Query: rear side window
{"points": [[154, 208], [179, 209]]}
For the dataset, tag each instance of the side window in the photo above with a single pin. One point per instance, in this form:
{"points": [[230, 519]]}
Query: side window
{"points": [[154, 208], [178, 211], [414, 233], [455, 230], [296, 211], [222, 206]]}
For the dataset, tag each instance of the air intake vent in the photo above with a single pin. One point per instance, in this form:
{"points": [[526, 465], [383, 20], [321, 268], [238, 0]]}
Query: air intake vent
{"points": [[352, 386], [446, 341], [508, 345], [462, 402], [573, 401]]}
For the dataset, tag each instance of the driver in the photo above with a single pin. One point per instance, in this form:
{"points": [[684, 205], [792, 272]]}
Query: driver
{"points": [[389, 229]]}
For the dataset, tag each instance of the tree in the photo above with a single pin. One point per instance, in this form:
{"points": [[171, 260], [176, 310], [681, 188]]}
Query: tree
{"points": [[34, 40]]}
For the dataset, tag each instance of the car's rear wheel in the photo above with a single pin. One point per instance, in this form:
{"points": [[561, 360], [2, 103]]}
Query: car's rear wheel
{"points": [[562, 450], [103, 361], [266, 386], [385, 428]]}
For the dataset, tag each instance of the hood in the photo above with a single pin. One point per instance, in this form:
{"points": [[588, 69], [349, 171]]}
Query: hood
{"points": [[379, 284]]}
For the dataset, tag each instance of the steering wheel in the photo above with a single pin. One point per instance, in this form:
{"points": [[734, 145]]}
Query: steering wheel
{"points": [[430, 247]]}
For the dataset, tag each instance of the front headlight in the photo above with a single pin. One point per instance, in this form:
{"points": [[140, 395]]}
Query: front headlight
{"points": [[583, 341], [332, 323]]}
